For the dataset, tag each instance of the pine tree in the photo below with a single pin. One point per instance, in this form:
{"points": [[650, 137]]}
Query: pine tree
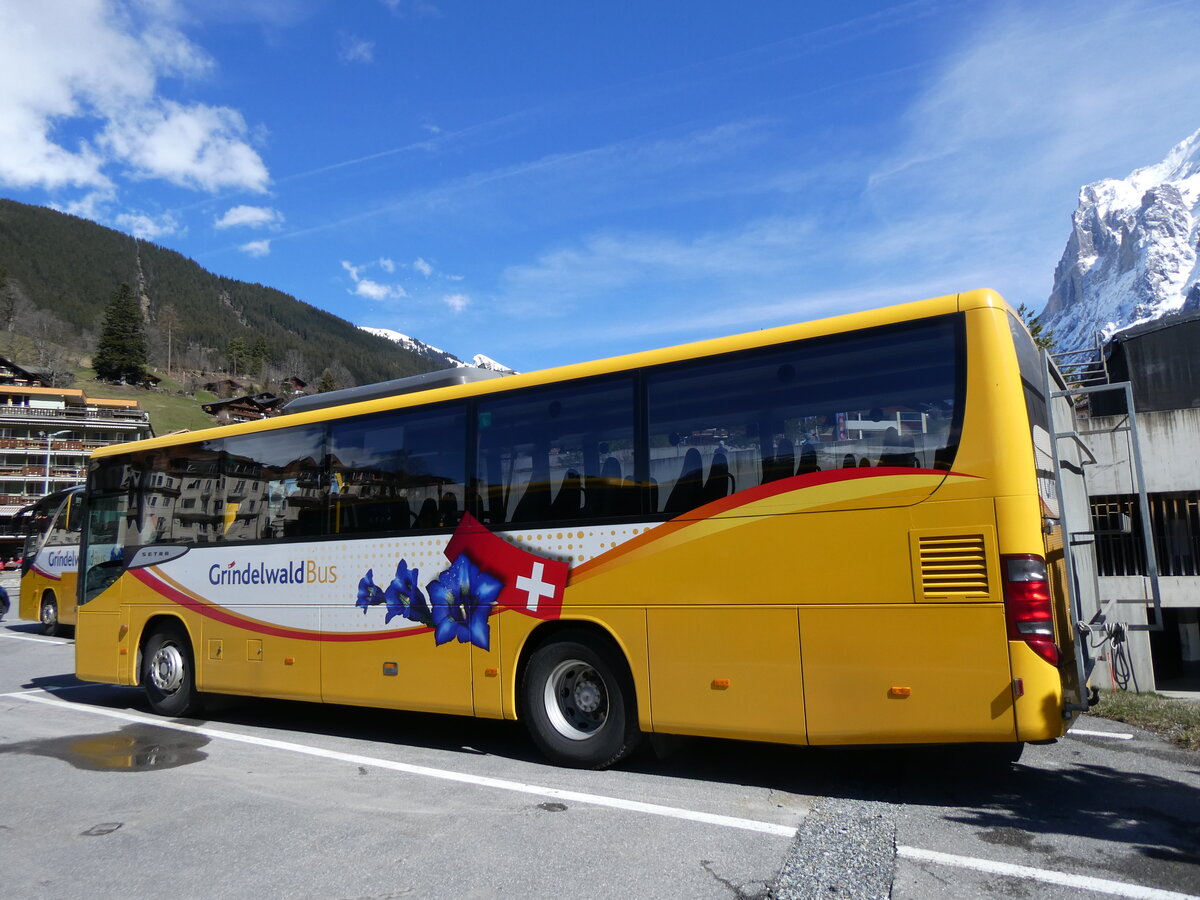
{"points": [[238, 354], [327, 383], [121, 352], [1045, 340], [259, 355]]}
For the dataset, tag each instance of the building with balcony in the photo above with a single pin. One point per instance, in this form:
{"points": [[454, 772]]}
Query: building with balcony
{"points": [[1159, 361], [46, 435]]}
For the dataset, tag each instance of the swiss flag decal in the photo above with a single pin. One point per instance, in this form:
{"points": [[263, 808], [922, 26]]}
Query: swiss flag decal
{"points": [[532, 584]]}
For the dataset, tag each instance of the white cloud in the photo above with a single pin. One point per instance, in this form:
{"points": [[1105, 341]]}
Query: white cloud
{"points": [[413, 8], [146, 227], [369, 288], [423, 267], [387, 265], [1038, 100], [256, 248], [457, 302], [88, 206], [730, 260], [352, 49], [373, 290], [192, 146], [81, 101], [249, 217]]}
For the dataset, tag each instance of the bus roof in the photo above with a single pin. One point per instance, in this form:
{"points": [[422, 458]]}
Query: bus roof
{"points": [[978, 299]]}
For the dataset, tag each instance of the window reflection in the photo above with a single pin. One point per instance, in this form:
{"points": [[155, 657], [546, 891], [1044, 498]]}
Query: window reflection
{"points": [[884, 397], [399, 470], [559, 455]]}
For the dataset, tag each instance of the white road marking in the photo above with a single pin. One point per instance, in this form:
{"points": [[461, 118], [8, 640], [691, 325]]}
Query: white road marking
{"points": [[38, 640], [1115, 735], [653, 809], [1082, 882]]}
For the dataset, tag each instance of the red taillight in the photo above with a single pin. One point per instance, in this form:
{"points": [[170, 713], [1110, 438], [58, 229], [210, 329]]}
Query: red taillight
{"points": [[1027, 604]]}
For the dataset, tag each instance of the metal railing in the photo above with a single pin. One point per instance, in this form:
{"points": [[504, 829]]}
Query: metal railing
{"points": [[59, 415], [1083, 368]]}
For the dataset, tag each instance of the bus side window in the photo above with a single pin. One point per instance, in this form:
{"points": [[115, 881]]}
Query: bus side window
{"points": [[399, 470], [561, 455], [271, 484]]}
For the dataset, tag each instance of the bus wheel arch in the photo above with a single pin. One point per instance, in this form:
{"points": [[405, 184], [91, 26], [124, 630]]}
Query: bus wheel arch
{"points": [[48, 613], [167, 669], [576, 696]]}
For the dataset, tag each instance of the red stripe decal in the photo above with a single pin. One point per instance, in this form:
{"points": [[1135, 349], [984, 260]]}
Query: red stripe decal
{"points": [[798, 482], [220, 614]]}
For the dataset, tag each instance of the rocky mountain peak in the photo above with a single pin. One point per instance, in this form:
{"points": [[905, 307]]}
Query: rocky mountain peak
{"points": [[1132, 253]]}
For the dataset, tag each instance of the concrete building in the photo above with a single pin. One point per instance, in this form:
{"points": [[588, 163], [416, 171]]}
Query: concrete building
{"points": [[1161, 360], [46, 435]]}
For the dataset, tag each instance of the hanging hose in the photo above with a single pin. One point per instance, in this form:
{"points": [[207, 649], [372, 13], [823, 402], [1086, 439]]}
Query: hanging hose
{"points": [[1120, 666]]}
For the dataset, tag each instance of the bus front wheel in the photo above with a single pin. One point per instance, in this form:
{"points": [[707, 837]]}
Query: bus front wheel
{"points": [[169, 673], [578, 702], [48, 614]]}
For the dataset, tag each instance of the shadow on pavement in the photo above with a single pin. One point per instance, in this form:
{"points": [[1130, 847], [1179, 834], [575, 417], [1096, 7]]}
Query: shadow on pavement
{"points": [[1157, 817]]}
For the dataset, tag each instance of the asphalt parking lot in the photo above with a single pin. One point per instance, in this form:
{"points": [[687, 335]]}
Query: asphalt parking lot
{"points": [[273, 799]]}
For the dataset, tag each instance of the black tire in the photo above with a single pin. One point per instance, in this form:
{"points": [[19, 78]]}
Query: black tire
{"points": [[578, 702], [168, 673], [48, 614]]}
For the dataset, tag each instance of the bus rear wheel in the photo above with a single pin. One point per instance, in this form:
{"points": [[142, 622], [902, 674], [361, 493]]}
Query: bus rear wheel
{"points": [[578, 702], [48, 614], [169, 673]]}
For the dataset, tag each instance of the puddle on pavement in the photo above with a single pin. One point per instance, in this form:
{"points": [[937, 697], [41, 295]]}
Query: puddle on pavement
{"points": [[134, 748]]}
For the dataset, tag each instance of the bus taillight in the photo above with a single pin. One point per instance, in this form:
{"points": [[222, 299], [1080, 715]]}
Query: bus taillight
{"points": [[1027, 604]]}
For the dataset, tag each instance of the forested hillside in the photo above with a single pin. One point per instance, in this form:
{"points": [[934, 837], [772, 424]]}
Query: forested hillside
{"points": [[61, 271]]}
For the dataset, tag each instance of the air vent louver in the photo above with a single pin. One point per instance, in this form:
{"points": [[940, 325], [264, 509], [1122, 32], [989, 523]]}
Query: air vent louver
{"points": [[953, 567]]}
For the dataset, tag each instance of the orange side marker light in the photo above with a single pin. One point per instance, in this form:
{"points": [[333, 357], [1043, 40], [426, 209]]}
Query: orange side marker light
{"points": [[898, 691]]}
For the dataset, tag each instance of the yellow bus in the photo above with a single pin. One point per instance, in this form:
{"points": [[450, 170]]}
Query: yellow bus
{"points": [[50, 561], [826, 533]]}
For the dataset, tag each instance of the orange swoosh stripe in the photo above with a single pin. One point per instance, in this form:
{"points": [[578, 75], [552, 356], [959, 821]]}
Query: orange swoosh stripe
{"points": [[800, 493]]}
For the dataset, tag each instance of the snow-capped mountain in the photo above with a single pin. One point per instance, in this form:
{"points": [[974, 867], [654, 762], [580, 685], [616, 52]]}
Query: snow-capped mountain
{"points": [[1132, 254], [479, 361], [428, 351]]}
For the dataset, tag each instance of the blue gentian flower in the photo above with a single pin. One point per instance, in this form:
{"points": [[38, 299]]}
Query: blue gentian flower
{"points": [[368, 593], [461, 599], [405, 598]]}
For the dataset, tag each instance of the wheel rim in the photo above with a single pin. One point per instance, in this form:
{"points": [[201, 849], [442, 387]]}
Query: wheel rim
{"points": [[167, 668], [49, 612], [576, 700]]}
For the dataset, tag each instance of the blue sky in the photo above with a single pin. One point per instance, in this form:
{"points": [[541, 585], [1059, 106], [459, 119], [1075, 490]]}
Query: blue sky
{"points": [[551, 182]]}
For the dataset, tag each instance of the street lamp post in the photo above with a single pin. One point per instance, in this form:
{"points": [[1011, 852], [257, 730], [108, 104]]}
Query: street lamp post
{"points": [[46, 479]]}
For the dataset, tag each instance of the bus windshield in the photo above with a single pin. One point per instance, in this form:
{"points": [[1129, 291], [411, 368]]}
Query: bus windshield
{"points": [[49, 566]]}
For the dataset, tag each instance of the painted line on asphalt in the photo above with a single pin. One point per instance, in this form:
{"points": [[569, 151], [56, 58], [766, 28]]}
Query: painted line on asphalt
{"points": [[36, 640], [1047, 876], [653, 809], [1115, 735]]}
